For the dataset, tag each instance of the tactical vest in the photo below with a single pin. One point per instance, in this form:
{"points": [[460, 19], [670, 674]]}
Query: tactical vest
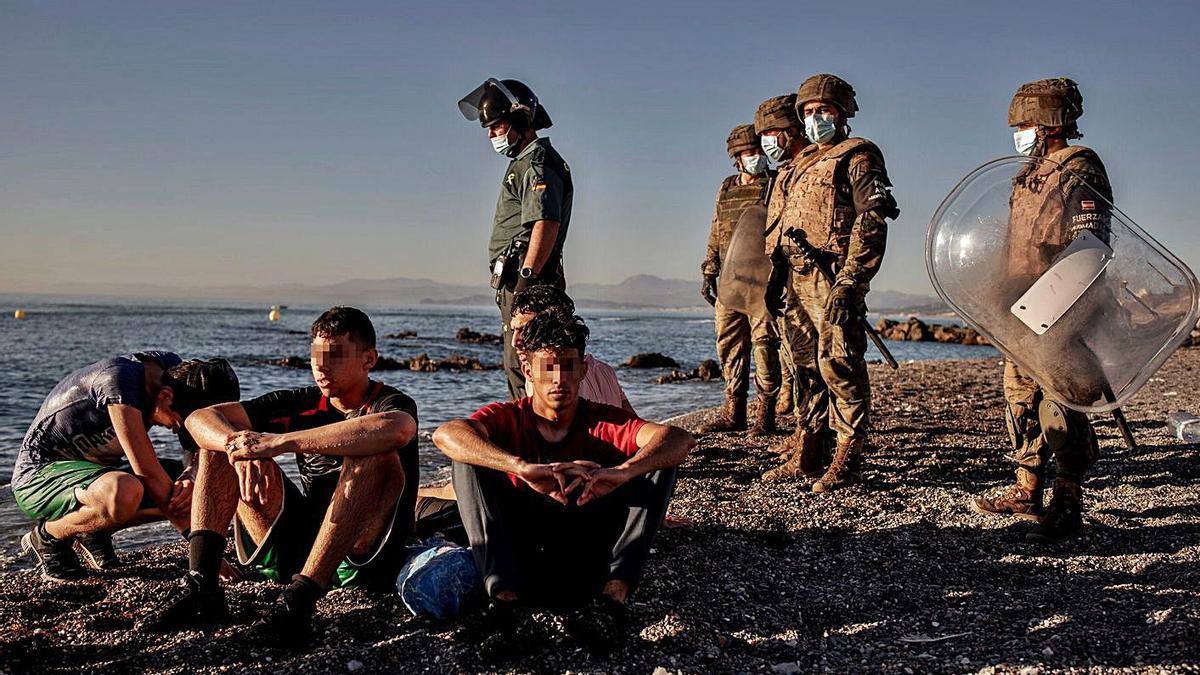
{"points": [[813, 204], [733, 199], [1038, 229]]}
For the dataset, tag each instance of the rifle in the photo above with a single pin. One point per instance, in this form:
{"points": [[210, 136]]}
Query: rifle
{"points": [[813, 257]]}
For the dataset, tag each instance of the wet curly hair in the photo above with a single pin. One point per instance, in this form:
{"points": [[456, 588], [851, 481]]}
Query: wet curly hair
{"points": [[554, 330], [541, 298], [342, 320]]}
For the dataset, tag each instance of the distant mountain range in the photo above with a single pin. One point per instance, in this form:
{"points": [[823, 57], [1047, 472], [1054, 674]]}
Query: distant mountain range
{"points": [[643, 291]]}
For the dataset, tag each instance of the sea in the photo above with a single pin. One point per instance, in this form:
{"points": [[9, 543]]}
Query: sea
{"points": [[58, 336]]}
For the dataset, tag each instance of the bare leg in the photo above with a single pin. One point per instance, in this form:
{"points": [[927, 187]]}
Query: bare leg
{"points": [[109, 503], [215, 496], [361, 510]]}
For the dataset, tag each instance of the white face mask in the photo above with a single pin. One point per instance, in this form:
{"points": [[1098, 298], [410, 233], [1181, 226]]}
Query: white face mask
{"points": [[820, 128], [501, 145], [1024, 140], [773, 146], [754, 165]]}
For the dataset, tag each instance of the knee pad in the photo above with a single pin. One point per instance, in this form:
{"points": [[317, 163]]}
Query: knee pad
{"points": [[1056, 431]]}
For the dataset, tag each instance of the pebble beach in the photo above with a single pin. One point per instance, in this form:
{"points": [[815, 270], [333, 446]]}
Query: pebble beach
{"points": [[895, 575]]}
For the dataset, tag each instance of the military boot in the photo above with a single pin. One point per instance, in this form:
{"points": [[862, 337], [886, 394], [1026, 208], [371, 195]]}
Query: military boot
{"points": [[733, 419], [845, 469], [804, 460], [1022, 500], [786, 403], [764, 417], [1064, 516]]}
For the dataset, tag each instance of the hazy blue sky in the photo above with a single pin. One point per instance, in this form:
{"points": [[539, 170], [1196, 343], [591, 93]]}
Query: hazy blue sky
{"points": [[214, 143]]}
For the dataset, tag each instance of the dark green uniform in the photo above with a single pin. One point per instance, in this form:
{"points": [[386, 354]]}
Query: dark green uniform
{"points": [[537, 186]]}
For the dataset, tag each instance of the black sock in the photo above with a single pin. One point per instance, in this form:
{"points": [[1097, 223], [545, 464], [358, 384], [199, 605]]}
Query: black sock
{"points": [[205, 550], [46, 536], [304, 591]]}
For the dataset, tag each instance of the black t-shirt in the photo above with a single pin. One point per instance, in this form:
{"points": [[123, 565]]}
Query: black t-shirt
{"points": [[306, 408]]}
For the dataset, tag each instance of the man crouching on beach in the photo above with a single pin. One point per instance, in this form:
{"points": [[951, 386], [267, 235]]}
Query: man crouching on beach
{"points": [[87, 467], [561, 496], [355, 442]]}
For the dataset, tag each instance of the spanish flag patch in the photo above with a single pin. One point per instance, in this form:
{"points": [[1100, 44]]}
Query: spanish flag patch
{"points": [[539, 186]]}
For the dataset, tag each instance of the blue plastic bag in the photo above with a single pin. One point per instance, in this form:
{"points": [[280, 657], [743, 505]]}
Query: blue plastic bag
{"points": [[438, 579]]}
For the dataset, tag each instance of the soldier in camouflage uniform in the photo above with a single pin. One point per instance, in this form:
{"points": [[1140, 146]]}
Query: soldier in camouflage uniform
{"points": [[1051, 203], [783, 138], [838, 197], [738, 333]]}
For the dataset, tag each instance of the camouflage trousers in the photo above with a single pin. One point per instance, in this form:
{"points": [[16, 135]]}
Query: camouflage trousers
{"points": [[1072, 442], [738, 337], [832, 387]]}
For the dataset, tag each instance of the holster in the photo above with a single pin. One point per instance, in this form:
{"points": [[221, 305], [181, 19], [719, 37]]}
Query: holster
{"points": [[507, 266]]}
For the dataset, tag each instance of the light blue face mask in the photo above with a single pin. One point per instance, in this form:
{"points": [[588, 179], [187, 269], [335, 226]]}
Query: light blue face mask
{"points": [[820, 128], [773, 147], [1024, 140], [501, 145], [754, 165]]}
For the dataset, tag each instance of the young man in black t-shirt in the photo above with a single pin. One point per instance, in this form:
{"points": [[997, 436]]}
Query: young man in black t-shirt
{"points": [[355, 442]]}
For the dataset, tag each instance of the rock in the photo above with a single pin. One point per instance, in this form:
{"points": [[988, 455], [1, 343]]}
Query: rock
{"points": [[385, 363], [459, 362], [291, 362], [915, 330], [705, 372], [786, 668], [402, 335], [467, 335], [650, 360], [456, 363], [422, 364], [354, 666]]}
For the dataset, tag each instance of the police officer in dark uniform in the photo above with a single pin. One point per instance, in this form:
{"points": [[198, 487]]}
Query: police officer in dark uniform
{"points": [[534, 209]]}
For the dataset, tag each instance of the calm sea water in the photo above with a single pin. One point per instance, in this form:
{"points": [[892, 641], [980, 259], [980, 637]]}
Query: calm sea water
{"points": [[58, 337]]}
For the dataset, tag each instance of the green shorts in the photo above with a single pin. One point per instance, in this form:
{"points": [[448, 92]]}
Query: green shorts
{"points": [[50, 493], [286, 547]]}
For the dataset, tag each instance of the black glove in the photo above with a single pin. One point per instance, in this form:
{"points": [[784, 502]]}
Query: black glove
{"points": [[843, 306], [708, 290], [777, 291]]}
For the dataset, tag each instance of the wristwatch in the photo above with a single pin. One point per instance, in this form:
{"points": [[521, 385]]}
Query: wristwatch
{"points": [[526, 273]]}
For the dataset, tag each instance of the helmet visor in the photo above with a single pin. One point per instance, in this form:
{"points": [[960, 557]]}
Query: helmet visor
{"points": [[485, 102]]}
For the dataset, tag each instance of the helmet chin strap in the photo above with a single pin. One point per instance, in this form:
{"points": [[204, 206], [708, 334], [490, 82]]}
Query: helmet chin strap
{"points": [[1039, 148]]}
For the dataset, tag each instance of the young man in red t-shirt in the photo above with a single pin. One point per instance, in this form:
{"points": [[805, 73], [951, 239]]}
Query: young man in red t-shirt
{"points": [[561, 496]]}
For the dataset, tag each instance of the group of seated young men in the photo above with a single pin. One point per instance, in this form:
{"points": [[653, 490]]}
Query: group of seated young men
{"points": [[560, 495]]}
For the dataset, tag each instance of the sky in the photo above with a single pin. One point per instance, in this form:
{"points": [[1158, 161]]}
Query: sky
{"points": [[215, 143]]}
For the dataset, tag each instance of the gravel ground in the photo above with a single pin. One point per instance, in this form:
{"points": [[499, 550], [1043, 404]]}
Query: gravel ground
{"points": [[896, 575]]}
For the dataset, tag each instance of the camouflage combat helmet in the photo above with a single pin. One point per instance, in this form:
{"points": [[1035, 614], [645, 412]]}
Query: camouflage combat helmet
{"points": [[1055, 102], [777, 112], [741, 138], [826, 87]]}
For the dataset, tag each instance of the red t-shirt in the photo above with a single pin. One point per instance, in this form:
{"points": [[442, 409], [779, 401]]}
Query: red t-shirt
{"points": [[599, 433]]}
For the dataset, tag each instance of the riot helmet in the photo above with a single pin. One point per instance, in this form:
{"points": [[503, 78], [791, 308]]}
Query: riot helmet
{"points": [[509, 100]]}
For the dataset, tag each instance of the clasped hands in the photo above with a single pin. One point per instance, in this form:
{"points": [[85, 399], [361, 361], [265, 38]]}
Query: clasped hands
{"points": [[250, 452], [562, 480]]}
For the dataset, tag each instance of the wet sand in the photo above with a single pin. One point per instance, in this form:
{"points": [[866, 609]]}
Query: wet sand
{"points": [[896, 575]]}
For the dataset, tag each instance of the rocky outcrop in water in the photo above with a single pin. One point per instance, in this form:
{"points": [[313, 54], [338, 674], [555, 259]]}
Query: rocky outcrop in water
{"points": [[650, 360], [916, 330], [707, 371], [421, 364], [471, 337]]}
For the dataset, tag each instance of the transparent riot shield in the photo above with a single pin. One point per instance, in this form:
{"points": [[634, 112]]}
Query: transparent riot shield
{"points": [[742, 285], [1091, 320]]}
